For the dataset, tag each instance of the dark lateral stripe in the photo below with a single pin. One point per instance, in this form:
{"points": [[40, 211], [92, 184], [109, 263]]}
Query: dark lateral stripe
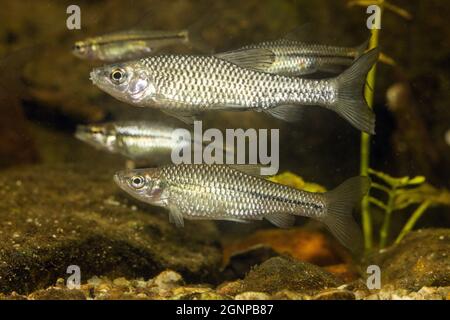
{"points": [[285, 200], [149, 38], [313, 55]]}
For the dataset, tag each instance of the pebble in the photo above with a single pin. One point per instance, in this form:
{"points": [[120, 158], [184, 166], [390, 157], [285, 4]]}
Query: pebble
{"points": [[168, 279], [252, 296]]}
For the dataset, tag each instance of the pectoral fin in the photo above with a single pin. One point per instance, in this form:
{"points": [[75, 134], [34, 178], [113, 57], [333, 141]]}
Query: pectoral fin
{"points": [[176, 216]]}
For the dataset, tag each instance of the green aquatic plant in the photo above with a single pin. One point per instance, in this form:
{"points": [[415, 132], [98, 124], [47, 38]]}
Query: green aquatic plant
{"points": [[401, 193], [291, 179], [369, 96]]}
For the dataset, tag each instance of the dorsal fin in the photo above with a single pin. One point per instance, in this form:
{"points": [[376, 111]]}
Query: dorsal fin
{"points": [[251, 169], [303, 33], [257, 59]]}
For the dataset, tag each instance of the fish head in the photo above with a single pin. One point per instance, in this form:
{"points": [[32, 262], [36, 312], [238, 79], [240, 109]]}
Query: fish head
{"points": [[128, 82], [100, 136], [84, 50], [142, 184]]}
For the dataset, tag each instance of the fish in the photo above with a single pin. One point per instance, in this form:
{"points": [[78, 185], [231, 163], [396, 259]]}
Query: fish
{"points": [[237, 193], [135, 44], [144, 142], [297, 58], [185, 85]]}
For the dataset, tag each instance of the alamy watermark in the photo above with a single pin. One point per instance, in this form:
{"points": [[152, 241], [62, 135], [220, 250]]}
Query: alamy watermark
{"points": [[374, 20], [73, 21], [74, 280], [211, 147], [373, 281]]}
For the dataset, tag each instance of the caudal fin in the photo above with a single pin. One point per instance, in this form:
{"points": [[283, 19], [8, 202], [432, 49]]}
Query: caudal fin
{"points": [[359, 50], [350, 103], [338, 218]]}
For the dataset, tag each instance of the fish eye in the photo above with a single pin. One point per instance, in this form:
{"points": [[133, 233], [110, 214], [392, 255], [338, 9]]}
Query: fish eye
{"points": [[137, 182], [117, 75], [97, 130], [78, 47]]}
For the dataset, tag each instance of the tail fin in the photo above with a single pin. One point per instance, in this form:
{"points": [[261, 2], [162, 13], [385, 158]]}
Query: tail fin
{"points": [[359, 50], [338, 218], [195, 38], [350, 103]]}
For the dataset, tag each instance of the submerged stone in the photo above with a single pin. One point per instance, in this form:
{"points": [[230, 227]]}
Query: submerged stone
{"points": [[58, 216], [421, 259], [283, 273]]}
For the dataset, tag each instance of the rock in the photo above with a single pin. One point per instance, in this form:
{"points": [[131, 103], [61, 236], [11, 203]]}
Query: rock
{"points": [[422, 259], [290, 295], [211, 296], [12, 296], [121, 282], [283, 273], [335, 294], [57, 294], [231, 288], [190, 293], [425, 293], [104, 288], [52, 217], [168, 280]]}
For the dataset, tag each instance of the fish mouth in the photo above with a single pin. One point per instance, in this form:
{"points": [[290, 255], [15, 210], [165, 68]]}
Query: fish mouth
{"points": [[80, 133], [123, 185], [118, 180], [94, 76]]}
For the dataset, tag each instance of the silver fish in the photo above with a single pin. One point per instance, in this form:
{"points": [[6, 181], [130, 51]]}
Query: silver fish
{"points": [[145, 142], [221, 192], [184, 85], [294, 58], [135, 44]]}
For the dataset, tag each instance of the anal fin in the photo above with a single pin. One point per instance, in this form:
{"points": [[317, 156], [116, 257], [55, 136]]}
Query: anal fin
{"points": [[236, 220], [184, 116], [287, 113], [281, 220]]}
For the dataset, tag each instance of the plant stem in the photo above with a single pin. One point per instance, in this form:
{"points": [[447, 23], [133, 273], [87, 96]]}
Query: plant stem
{"points": [[365, 146], [384, 232], [412, 220]]}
